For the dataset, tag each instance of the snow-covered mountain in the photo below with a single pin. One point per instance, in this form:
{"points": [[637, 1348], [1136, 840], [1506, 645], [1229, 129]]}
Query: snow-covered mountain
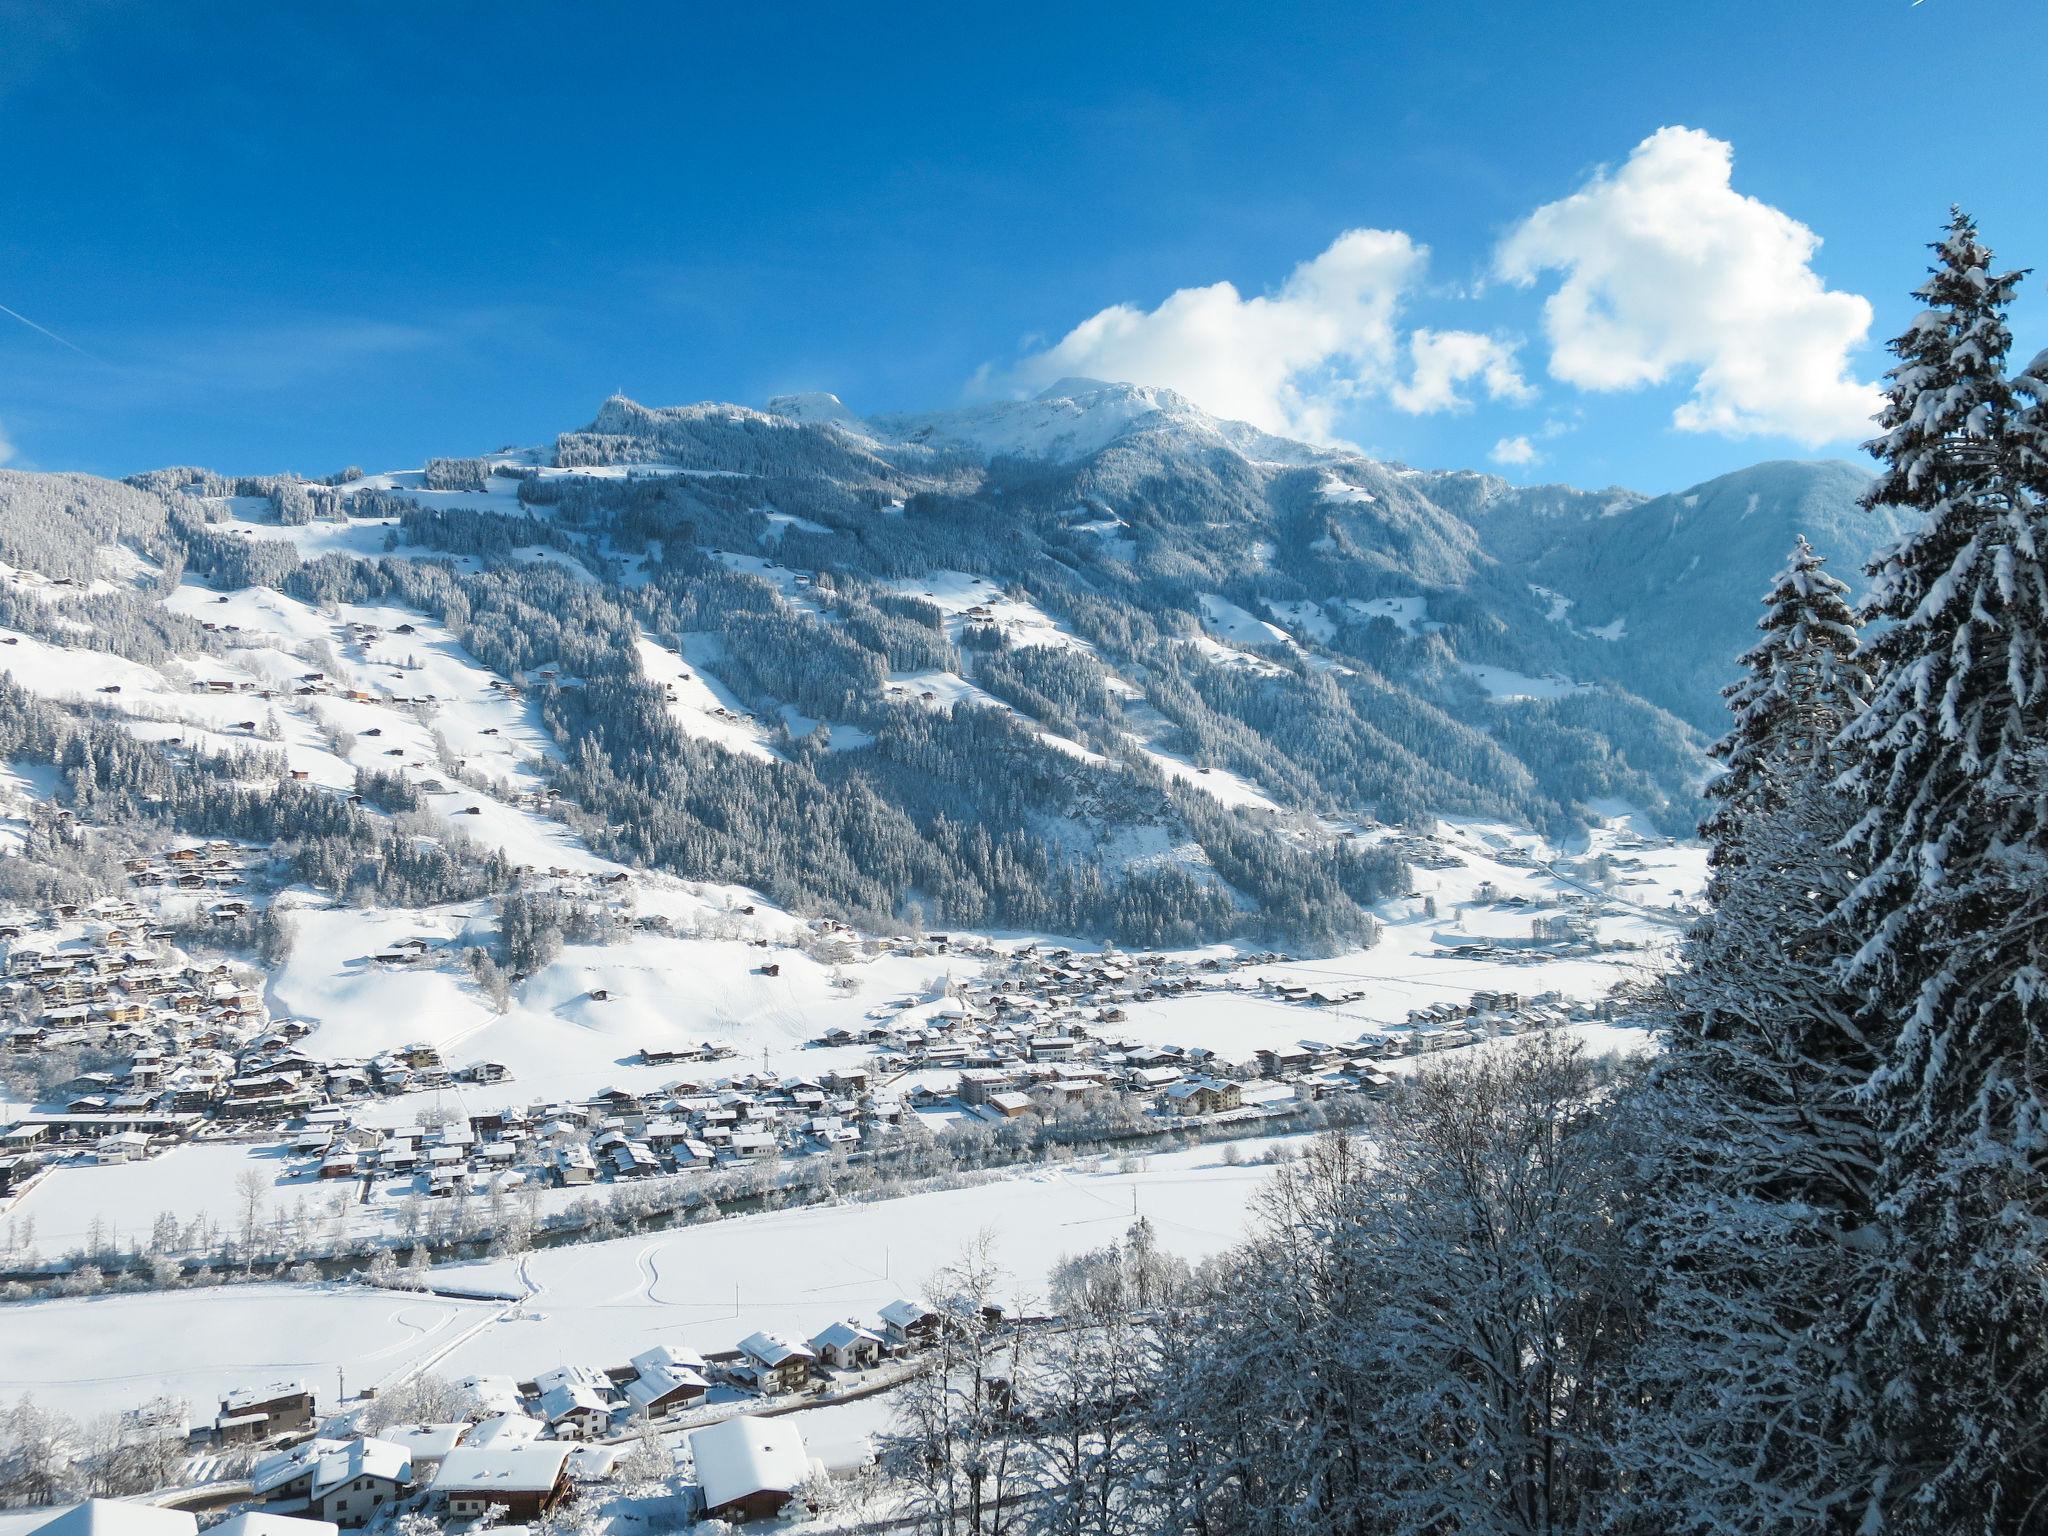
{"points": [[1064, 423], [1094, 662]]}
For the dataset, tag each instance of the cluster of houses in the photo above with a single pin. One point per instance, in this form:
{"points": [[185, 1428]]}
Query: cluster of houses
{"points": [[193, 868], [188, 1046], [615, 1135], [523, 1447], [1038, 1035], [504, 1471], [103, 981], [1035, 1005]]}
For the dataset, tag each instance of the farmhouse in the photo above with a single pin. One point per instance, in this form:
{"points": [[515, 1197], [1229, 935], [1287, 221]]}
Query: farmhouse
{"points": [[263, 1413], [660, 1388], [748, 1467], [355, 1481], [907, 1322], [847, 1346], [286, 1476], [575, 1412], [780, 1365], [529, 1480]]}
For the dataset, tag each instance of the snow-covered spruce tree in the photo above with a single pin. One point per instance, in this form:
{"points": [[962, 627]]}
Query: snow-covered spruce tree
{"points": [[1807, 677], [1762, 1147], [1949, 919]]}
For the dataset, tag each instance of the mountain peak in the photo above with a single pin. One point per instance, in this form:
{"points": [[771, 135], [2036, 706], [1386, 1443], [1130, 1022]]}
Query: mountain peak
{"points": [[1074, 385], [811, 405]]}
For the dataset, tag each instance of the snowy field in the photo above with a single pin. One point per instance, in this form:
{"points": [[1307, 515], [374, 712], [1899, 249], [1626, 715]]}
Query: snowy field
{"points": [[795, 1271], [100, 1354], [600, 1303]]}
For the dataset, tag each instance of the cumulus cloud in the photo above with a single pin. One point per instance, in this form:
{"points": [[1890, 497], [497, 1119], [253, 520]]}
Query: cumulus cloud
{"points": [[1669, 272], [1288, 362], [1516, 452], [1443, 360]]}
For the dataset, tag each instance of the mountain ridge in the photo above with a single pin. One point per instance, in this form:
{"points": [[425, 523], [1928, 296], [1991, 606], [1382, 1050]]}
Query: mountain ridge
{"points": [[1094, 663]]}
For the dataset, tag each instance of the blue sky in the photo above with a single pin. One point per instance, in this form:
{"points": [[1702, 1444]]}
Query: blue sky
{"points": [[298, 236]]}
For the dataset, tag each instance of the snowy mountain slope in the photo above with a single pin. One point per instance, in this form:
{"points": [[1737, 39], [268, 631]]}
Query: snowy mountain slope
{"points": [[1672, 582], [804, 651]]}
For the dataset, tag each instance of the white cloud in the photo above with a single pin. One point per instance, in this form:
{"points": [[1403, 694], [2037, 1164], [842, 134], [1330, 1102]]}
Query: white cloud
{"points": [[1517, 452], [1670, 272], [1443, 360], [6, 447], [1288, 362]]}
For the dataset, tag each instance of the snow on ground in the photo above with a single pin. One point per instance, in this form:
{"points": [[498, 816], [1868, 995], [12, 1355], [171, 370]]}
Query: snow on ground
{"points": [[20, 786], [1231, 656], [1065, 423], [1307, 617], [794, 1271], [838, 738], [780, 523], [946, 690], [1149, 728], [413, 683], [1410, 615], [1229, 622], [102, 1354], [1333, 489], [955, 594], [412, 680], [1500, 683], [556, 1038], [702, 706], [1559, 611], [1405, 970], [63, 673], [793, 586], [189, 1181]]}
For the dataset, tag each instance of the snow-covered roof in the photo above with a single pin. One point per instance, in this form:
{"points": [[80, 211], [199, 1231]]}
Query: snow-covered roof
{"points": [[587, 1463], [840, 1335], [430, 1441], [670, 1356], [493, 1394], [251, 1522], [567, 1399], [748, 1455], [902, 1313], [772, 1349], [117, 1517], [279, 1468], [531, 1468], [368, 1457], [249, 1397], [568, 1376], [504, 1430], [656, 1382]]}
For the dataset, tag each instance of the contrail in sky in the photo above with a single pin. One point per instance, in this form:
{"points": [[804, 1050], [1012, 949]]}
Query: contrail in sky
{"points": [[45, 330]]}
